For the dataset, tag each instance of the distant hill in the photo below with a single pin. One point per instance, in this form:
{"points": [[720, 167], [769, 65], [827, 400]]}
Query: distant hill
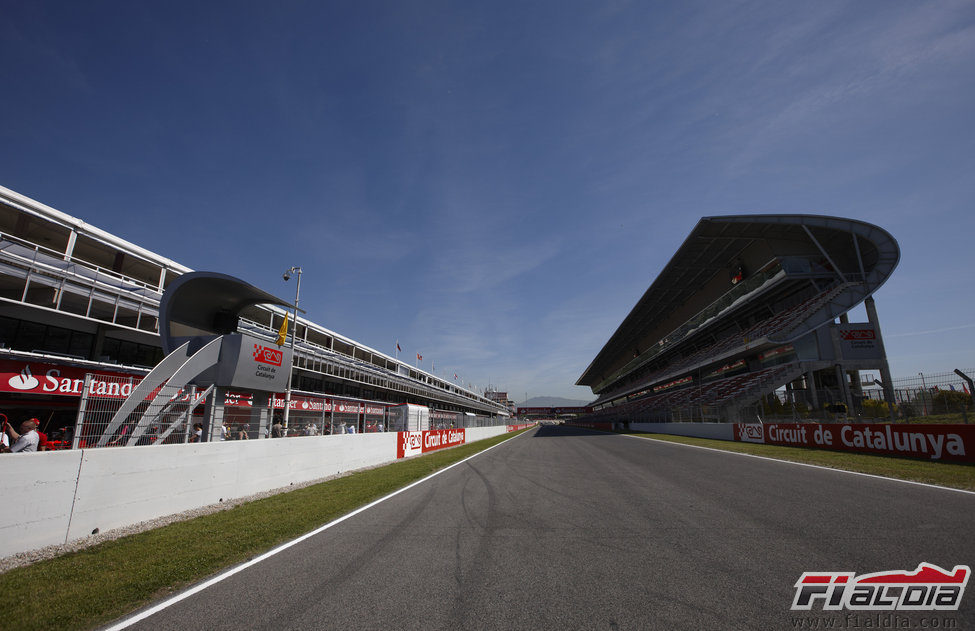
{"points": [[552, 402]]}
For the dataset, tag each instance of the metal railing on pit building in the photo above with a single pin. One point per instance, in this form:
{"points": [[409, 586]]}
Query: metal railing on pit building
{"points": [[171, 421]]}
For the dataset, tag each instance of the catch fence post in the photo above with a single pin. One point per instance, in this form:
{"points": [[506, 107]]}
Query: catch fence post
{"points": [[79, 422]]}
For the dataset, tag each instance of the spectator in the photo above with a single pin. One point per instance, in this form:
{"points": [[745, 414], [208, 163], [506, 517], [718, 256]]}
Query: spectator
{"points": [[277, 430], [197, 434], [242, 432], [27, 440], [224, 431], [42, 442], [311, 430]]}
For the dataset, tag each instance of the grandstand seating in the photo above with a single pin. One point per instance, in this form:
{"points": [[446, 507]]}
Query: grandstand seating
{"points": [[742, 388], [775, 328]]}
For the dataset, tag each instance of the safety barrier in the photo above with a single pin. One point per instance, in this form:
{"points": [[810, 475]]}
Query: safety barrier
{"points": [[945, 443], [56, 497]]}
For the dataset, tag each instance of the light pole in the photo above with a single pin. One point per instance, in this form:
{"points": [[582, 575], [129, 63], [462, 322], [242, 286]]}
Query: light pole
{"points": [[294, 331]]}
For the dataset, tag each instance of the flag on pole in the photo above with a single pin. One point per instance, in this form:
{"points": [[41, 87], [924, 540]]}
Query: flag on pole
{"points": [[455, 376], [283, 331], [419, 357], [398, 349]]}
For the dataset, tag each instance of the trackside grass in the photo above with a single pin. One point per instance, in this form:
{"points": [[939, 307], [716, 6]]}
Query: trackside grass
{"points": [[93, 586], [959, 476]]}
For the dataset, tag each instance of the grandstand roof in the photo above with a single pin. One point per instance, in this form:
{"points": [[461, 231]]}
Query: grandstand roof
{"points": [[854, 250]]}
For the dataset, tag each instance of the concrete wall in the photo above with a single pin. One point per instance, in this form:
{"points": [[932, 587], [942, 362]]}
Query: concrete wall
{"points": [[720, 431], [55, 497]]}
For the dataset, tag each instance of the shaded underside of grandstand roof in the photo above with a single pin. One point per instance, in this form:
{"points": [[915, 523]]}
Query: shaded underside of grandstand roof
{"points": [[854, 248]]}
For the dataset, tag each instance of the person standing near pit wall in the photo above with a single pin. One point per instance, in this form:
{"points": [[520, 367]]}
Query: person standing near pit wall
{"points": [[27, 440]]}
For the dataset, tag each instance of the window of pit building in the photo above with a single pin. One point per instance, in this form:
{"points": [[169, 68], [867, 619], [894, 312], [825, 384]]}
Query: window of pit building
{"points": [[33, 229]]}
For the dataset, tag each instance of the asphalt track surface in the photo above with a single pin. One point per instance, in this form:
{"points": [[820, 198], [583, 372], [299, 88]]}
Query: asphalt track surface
{"points": [[563, 528]]}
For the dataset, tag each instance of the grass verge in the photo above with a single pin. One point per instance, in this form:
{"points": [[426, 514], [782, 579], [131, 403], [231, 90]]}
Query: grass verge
{"points": [[90, 587], [959, 476]]}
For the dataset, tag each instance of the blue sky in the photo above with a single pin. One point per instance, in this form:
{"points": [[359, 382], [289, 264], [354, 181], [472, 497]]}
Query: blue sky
{"points": [[496, 184]]}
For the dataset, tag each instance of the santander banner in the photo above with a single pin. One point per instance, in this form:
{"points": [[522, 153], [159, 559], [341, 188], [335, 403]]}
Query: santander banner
{"points": [[416, 443], [948, 443], [36, 378]]}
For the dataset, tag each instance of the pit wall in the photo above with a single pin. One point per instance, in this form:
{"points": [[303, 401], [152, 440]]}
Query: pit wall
{"points": [[56, 497]]}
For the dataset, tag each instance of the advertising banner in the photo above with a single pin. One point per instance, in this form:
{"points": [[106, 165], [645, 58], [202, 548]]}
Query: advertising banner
{"points": [[948, 443], [416, 443], [751, 433], [36, 378], [302, 404], [238, 399], [348, 407]]}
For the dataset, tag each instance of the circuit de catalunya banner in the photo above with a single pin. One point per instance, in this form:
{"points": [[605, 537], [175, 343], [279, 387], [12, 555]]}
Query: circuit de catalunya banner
{"points": [[416, 443], [948, 443], [515, 428]]}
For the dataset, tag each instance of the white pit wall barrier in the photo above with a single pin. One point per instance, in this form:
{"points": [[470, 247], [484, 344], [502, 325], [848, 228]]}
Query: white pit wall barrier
{"points": [[37, 497], [63, 496]]}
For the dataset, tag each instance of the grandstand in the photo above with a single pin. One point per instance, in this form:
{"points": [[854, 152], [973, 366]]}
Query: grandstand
{"points": [[748, 305], [76, 299]]}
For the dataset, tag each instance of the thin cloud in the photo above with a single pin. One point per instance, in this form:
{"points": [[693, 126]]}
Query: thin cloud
{"points": [[932, 331]]}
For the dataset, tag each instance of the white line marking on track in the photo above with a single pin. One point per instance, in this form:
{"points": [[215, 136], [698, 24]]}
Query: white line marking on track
{"points": [[142, 615], [801, 464]]}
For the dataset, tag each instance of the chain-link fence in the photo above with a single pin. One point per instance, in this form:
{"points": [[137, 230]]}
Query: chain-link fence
{"points": [[929, 398], [155, 420], [164, 419]]}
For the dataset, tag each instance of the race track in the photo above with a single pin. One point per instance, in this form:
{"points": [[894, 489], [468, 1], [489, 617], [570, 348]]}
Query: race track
{"points": [[563, 528]]}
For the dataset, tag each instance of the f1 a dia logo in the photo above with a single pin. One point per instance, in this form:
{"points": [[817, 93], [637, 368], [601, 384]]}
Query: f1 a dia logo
{"points": [[928, 588]]}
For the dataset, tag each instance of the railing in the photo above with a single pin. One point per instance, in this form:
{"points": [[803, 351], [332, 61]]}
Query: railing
{"points": [[14, 249], [120, 291], [767, 278], [335, 364], [44, 267], [180, 420]]}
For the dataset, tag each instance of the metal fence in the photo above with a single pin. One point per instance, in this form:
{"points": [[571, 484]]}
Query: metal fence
{"points": [[157, 420], [171, 419], [935, 397]]}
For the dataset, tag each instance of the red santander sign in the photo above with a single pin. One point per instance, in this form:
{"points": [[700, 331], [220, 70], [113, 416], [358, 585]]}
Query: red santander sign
{"points": [[36, 378]]}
